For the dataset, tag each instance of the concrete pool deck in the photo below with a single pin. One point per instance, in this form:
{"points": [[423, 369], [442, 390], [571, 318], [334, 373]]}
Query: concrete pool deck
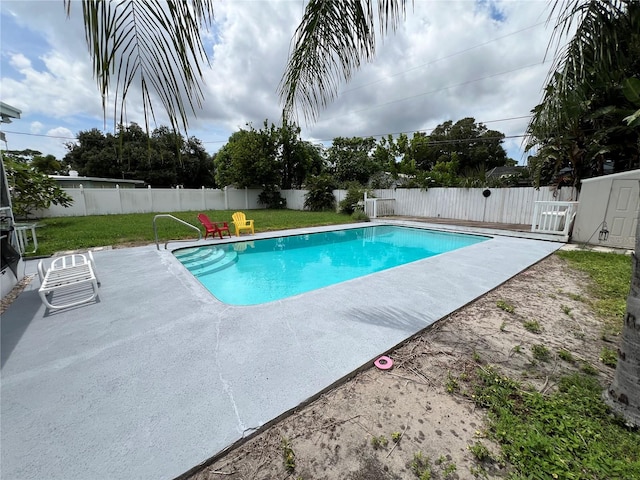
{"points": [[158, 376]]}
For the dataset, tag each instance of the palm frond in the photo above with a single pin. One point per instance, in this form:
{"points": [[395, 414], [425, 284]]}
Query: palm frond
{"points": [[590, 58], [332, 41], [154, 44]]}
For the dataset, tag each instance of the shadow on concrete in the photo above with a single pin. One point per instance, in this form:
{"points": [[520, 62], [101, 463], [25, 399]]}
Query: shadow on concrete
{"points": [[408, 321], [14, 326]]}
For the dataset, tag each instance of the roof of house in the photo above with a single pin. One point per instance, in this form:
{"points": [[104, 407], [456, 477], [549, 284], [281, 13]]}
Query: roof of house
{"points": [[500, 171], [75, 178], [7, 112]]}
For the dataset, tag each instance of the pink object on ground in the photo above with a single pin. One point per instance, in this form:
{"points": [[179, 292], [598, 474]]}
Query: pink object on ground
{"points": [[383, 363]]}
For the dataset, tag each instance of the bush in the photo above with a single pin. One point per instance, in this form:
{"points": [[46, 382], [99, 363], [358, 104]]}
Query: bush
{"points": [[354, 198], [360, 216], [270, 197], [319, 197], [31, 190]]}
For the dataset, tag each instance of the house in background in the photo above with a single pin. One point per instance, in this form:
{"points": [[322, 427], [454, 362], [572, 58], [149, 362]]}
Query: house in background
{"points": [[511, 172], [12, 264], [74, 181]]}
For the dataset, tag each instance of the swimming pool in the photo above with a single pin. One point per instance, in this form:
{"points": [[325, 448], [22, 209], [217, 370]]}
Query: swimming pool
{"points": [[260, 271]]}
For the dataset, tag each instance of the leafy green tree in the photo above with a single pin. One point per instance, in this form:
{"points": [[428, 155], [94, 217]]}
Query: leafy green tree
{"points": [[385, 154], [249, 159], [420, 155], [48, 164], [21, 156], [196, 168], [175, 160], [32, 190], [468, 143], [351, 159], [273, 158], [94, 155], [631, 91], [298, 158], [164, 159], [443, 174]]}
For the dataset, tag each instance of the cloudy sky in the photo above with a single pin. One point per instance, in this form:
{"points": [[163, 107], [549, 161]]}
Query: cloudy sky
{"points": [[450, 59]]}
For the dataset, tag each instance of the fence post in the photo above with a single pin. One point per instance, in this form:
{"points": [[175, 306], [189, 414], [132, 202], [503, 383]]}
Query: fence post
{"points": [[84, 200], [150, 198], [536, 213], [204, 199], [246, 198], [120, 209]]}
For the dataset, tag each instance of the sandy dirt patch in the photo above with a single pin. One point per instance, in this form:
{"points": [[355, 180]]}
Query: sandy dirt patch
{"points": [[333, 437]]}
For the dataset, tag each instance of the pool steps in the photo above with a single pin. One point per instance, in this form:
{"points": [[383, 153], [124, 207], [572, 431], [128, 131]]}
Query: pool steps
{"points": [[204, 261]]}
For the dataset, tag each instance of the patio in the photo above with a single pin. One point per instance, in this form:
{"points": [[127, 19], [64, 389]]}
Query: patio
{"points": [[157, 376]]}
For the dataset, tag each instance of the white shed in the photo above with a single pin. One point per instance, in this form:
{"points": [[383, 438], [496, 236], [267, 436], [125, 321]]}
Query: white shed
{"points": [[608, 210]]}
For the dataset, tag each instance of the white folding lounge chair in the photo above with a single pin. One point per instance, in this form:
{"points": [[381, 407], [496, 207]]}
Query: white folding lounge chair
{"points": [[66, 275]]}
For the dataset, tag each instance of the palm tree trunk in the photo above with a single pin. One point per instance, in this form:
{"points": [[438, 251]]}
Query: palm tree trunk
{"points": [[623, 396]]}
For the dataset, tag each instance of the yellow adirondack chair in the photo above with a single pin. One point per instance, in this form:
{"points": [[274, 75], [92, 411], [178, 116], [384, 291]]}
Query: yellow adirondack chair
{"points": [[241, 223]]}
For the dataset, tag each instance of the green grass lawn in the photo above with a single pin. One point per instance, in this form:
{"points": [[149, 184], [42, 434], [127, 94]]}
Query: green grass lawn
{"points": [[610, 275], [75, 233], [570, 433]]}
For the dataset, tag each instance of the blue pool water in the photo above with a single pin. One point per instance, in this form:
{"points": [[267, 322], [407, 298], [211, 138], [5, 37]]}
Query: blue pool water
{"points": [[259, 271]]}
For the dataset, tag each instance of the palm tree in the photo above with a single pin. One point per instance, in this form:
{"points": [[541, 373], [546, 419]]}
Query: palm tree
{"points": [[583, 107], [332, 41], [600, 54], [155, 44]]}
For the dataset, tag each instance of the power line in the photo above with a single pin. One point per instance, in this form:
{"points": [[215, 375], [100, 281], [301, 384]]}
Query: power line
{"points": [[425, 130], [443, 58], [428, 129], [438, 90], [40, 135]]}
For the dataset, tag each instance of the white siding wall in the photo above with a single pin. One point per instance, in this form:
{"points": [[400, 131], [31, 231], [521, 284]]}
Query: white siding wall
{"points": [[612, 199]]}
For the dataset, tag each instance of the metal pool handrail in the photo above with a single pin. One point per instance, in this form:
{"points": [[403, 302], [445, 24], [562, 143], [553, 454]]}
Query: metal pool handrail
{"points": [[155, 229]]}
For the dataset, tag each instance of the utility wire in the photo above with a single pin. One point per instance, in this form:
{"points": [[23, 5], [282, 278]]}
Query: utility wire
{"points": [[437, 90], [446, 57], [425, 130], [39, 135]]}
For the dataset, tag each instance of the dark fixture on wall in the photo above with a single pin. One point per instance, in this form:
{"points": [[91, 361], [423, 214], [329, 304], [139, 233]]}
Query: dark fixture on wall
{"points": [[486, 193], [603, 235]]}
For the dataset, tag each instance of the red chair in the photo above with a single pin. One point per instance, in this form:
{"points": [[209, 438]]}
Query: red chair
{"points": [[212, 228]]}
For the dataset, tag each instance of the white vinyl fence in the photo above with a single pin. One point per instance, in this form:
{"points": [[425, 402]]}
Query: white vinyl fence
{"points": [[496, 205], [108, 201], [499, 205]]}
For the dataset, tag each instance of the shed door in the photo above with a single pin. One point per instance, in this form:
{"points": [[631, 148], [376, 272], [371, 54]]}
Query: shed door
{"points": [[622, 213]]}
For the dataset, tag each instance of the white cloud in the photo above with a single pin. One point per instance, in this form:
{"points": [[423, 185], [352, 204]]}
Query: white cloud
{"points": [[447, 61], [60, 90], [20, 62], [36, 127]]}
